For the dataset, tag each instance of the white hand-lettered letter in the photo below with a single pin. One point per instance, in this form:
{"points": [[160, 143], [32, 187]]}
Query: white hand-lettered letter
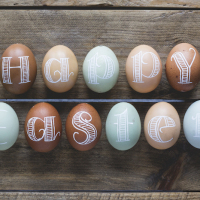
{"points": [[64, 73], [93, 64], [183, 66], [3, 127], [138, 63], [24, 69], [49, 133], [154, 128], [197, 130], [84, 126], [122, 127]]}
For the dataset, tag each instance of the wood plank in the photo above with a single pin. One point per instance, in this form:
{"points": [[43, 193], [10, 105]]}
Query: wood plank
{"points": [[105, 3], [99, 196], [82, 30], [103, 167]]}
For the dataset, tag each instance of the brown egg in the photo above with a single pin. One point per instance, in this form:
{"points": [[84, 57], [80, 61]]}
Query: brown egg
{"points": [[143, 69], [43, 127], [60, 69], [83, 127], [162, 125], [183, 67], [18, 68]]}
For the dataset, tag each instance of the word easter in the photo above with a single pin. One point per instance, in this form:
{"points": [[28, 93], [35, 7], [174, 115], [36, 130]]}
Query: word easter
{"points": [[43, 126]]}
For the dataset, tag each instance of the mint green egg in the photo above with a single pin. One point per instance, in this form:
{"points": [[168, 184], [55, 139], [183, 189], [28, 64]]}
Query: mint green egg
{"points": [[191, 124], [100, 69], [123, 126], [9, 126]]}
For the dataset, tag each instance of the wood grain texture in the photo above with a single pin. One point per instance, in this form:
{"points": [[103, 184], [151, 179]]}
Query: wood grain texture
{"points": [[82, 30], [103, 167], [105, 3], [98, 196]]}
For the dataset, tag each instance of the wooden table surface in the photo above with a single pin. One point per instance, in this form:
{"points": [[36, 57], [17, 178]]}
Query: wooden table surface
{"points": [[103, 172]]}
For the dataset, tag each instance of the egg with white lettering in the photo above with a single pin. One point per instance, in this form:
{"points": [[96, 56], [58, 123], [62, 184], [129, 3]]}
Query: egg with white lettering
{"points": [[123, 126], [18, 69], [83, 127], [162, 125], [100, 69], [191, 124], [183, 67], [9, 126], [43, 127], [60, 69], [143, 69]]}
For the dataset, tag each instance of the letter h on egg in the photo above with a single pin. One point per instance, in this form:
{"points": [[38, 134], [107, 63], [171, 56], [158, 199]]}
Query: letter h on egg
{"points": [[24, 69]]}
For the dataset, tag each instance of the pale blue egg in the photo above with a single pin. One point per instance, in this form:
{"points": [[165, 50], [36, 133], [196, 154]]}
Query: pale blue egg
{"points": [[123, 126], [191, 124], [9, 126], [100, 69]]}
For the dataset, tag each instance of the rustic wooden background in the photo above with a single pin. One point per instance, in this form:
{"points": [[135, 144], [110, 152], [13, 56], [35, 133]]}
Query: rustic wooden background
{"points": [[103, 172]]}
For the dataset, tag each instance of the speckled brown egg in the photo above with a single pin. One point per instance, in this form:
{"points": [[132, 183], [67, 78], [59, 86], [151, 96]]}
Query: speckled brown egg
{"points": [[43, 127], [162, 125], [143, 69], [183, 67], [18, 69], [83, 127], [60, 69]]}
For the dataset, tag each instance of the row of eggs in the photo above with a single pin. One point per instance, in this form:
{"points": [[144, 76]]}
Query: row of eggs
{"points": [[100, 68], [43, 126]]}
